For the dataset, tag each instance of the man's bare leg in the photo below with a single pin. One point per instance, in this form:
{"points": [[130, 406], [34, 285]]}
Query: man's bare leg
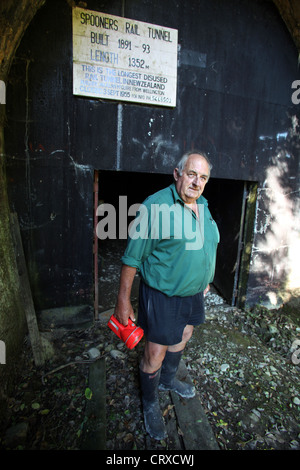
{"points": [[154, 353], [157, 371], [168, 380]]}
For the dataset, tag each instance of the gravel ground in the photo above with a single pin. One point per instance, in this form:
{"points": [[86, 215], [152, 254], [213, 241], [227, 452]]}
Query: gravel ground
{"points": [[240, 361], [242, 365]]}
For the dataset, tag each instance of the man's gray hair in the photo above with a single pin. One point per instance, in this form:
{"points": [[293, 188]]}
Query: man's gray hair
{"points": [[182, 162]]}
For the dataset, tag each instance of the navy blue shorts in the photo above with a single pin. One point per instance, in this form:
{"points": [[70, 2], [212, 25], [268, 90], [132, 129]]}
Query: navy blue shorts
{"points": [[164, 318]]}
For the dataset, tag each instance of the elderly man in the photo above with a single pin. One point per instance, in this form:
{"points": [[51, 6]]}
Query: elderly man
{"points": [[175, 274]]}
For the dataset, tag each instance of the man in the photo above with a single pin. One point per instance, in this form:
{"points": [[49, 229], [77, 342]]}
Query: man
{"points": [[175, 271]]}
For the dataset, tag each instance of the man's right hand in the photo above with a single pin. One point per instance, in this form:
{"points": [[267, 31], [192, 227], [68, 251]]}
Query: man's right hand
{"points": [[123, 311]]}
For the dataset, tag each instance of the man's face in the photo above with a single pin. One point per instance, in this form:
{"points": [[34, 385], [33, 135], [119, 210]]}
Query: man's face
{"points": [[191, 183]]}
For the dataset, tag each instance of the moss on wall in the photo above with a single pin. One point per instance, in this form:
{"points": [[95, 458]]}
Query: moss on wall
{"points": [[12, 319], [15, 15]]}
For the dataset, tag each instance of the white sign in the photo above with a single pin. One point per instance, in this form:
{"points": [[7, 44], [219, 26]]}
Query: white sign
{"points": [[123, 60]]}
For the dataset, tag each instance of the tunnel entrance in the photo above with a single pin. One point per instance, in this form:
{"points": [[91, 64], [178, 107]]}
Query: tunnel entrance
{"points": [[231, 203]]}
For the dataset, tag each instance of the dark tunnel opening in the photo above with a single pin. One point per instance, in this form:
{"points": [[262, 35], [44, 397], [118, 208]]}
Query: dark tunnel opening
{"points": [[227, 203]]}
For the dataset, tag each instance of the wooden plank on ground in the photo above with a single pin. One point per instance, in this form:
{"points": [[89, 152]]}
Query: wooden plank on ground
{"points": [[94, 432], [25, 292], [193, 423]]}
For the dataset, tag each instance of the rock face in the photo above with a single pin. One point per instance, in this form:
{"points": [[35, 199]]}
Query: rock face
{"points": [[15, 16], [290, 13]]}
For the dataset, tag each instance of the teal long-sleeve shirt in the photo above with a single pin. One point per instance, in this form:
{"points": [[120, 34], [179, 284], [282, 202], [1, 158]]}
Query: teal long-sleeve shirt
{"points": [[173, 250]]}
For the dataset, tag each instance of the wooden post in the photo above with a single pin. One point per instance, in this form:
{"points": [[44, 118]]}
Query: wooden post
{"points": [[25, 293]]}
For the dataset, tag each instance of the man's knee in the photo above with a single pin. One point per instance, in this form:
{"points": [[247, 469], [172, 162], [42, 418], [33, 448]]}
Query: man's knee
{"points": [[153, 356], [187, 333]]}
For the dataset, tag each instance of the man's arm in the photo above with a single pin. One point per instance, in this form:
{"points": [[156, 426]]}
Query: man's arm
{"points": [[123, 309], [206, 290]]}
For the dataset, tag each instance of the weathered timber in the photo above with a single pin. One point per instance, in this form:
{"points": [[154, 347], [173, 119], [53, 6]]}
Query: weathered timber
{"points": [[25, 293]]}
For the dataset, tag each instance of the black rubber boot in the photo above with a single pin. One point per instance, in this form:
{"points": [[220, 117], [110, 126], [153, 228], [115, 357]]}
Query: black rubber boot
{"points": [[168, 381], [153, 419]]}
